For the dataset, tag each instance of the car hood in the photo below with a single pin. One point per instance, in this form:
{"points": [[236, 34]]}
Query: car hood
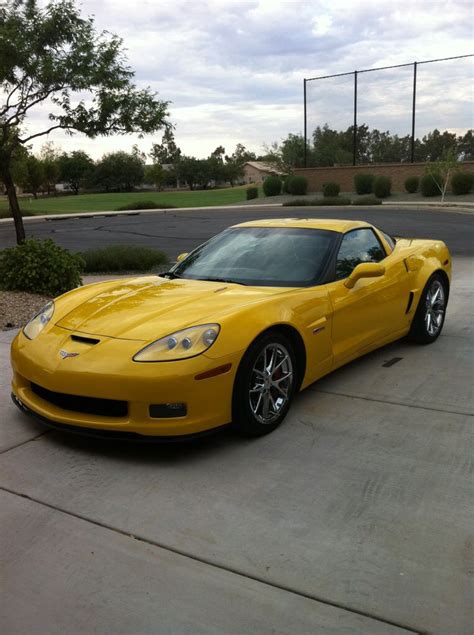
{"points": [[149, 308]]}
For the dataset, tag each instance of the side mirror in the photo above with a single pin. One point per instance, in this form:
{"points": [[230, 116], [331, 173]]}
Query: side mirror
{"points": [[364, 270], [181, 256]]}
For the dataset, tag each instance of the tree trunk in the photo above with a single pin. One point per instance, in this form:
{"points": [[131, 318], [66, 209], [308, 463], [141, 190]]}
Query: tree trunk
{"points": [[14, 207]]}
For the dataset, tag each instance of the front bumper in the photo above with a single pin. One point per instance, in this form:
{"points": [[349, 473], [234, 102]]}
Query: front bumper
{"points": [[106, 371]]}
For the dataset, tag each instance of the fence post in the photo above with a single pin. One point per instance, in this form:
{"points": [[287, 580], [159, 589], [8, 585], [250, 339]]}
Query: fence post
{"points": [[354, 137], [415, 64], [305, 127]]}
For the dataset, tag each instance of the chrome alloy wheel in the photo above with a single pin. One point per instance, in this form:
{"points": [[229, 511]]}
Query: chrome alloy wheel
{"points": [[271, 381], [435, 308]]}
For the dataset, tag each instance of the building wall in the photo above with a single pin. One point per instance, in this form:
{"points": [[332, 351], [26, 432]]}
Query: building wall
{"points": [[344, 175], [252, 175]]}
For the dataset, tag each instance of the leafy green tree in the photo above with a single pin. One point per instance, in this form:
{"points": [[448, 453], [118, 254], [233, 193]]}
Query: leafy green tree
{"points": [[32, 177], [50, 54], [119, 171], [155, 175], [465, 145], [219, 153], [241, 155], [167, 151], [436, 145], [76, 169], [440, 171], [50, 160], [331, 147]]}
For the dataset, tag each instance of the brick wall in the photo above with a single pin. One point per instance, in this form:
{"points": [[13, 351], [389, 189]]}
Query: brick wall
{"points": [[344, 175]]}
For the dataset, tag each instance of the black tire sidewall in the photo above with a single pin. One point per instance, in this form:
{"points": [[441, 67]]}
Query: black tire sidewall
{"points": [[242, 415]]}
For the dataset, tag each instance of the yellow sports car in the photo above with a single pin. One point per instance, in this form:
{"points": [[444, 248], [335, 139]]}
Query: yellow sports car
{"points": [[231, 333]]}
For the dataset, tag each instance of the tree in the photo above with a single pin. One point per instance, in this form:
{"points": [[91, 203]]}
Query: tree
{"points": [[76, 169], [50, 160], [52, 55], [155, 175], [466, 146], [219, 153], [440, 171], [119, 171], [436, 145], [241, 155], [167, 151], [32, 177]]}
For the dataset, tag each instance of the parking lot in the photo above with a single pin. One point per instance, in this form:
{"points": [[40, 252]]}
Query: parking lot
{"points": [[355, 516]]}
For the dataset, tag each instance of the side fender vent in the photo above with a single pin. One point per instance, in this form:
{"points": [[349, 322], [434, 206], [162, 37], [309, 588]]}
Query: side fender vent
{"points": [[410, 302]]}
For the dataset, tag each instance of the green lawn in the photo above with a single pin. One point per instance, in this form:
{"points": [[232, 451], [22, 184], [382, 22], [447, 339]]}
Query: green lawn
{"points": [[109, 202]]}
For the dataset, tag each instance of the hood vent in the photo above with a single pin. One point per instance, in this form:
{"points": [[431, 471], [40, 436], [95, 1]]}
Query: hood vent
{"points": [[85, 340]]}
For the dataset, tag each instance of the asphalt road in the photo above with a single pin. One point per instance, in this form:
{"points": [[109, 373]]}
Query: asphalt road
{"points": [[176, 232]]}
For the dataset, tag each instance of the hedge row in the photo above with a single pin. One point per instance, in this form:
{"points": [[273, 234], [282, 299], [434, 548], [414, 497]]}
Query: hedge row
{"points": [[44, 267]]}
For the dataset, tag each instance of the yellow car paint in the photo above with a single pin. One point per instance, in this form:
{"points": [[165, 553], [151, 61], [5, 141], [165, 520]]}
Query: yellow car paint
{"points": [[332, 323]]}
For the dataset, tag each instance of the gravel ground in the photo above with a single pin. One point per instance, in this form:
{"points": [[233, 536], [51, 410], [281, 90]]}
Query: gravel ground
{"points": [[17, 307]]}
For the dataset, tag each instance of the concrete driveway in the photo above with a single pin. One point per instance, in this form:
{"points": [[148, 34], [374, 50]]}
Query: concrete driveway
{"points": [[355, 516]]}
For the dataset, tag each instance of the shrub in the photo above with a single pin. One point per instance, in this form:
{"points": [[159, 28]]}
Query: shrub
{"points": [[382, 186], [272, 186], [122, 258], [411, 184], [40, 267], [285, 184], [461, 183], [297, 185], [252, 192], [134, 205], [331, 189], [367, 200], [298, 202], [328, 200], [333, 200], [364, 183], [428, 185]]}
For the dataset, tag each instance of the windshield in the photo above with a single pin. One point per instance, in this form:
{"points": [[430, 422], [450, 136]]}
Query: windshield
{"points": [[262, 256]]}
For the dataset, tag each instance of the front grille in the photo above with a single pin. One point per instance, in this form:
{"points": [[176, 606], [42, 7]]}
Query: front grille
{"points": [[87, 405]]}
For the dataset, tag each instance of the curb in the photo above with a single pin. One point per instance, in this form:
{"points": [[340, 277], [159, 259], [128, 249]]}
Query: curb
{"points": [[53, 217]]}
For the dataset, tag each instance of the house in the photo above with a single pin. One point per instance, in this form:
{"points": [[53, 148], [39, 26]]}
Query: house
{"points": [[257, 171]]}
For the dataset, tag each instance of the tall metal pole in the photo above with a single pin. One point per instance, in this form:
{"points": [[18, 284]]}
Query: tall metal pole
{"points": [[305, 128], [354, 138], [415, 64]]}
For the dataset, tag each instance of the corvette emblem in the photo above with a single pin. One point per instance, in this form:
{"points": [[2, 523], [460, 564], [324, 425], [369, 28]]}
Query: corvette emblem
{"points": [[63, 354]]}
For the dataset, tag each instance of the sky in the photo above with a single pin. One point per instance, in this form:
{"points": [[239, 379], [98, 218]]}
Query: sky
{"points": [[233, 69]]}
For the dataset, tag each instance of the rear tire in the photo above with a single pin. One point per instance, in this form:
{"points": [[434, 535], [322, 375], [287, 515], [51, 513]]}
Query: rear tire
{"points": [[264, 386], [431, 311]]}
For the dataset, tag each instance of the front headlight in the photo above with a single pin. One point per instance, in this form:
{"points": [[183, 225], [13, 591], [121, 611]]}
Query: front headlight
{"points": [[180, 345], [39, 321]]}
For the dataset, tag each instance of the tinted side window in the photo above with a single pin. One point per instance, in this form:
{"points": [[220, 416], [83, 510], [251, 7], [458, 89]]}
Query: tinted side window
{"points": [[360, 245]]}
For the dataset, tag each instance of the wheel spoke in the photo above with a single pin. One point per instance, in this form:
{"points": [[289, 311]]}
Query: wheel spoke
{"points": [[257, 405], [435, 296], [266, 404]]}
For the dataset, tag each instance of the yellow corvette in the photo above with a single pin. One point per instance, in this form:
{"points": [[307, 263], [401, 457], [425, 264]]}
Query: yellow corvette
{"points": [[231, 332]]}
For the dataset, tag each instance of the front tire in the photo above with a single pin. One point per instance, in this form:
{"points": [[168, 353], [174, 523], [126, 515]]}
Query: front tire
{"points": [[431, 311], [264, 386]]}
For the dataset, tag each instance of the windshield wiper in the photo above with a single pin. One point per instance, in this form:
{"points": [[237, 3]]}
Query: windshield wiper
{"points": [[223, 280], [169, 274]]}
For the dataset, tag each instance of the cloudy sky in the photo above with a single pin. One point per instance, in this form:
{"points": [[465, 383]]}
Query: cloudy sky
{"points": [[234, 69]]}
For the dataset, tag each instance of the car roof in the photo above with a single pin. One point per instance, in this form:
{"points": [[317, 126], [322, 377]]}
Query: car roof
{"points": [[330, 224]]}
